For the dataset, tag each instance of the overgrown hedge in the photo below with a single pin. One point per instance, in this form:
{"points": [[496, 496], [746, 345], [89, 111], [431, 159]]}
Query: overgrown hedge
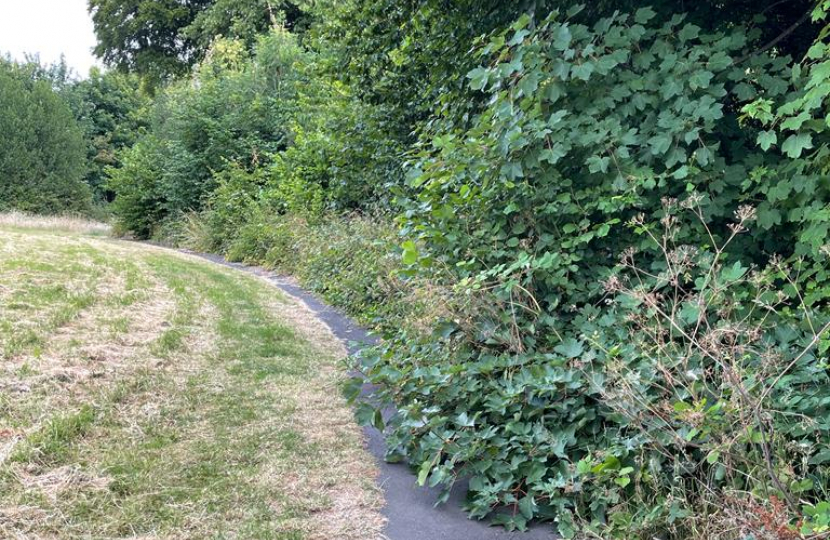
{"points": [[599, 273]]}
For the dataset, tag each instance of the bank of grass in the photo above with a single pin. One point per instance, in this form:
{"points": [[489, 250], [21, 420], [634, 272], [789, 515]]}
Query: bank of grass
{"points": [[144, 394]]}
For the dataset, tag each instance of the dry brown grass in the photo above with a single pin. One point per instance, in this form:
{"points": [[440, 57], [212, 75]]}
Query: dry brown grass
{"points": [[110, 356], [73, 224]]}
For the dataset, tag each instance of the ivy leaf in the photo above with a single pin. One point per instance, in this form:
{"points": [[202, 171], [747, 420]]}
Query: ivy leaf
{"points": [[796, 144], [766, 139], [794, 123], [681, 173], [703, 156], [700, 79], [561, 37], [598, 164], [527, 506], [518, 37], [768, 217], [423, 472], [553, 154], [660, 144]]}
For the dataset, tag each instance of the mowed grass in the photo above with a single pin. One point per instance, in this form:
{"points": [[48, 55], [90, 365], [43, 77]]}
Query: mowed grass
{"points": [[148, 395]]}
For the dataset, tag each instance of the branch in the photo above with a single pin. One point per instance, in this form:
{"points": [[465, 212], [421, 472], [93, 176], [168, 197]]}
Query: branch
{"points": [[804, 18]]}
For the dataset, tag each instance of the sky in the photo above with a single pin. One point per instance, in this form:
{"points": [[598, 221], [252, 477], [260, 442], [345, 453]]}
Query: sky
{"points": [[48, 27]]}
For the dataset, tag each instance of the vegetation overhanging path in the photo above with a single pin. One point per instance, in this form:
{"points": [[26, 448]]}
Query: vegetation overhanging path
{"points": [[410, 511]]}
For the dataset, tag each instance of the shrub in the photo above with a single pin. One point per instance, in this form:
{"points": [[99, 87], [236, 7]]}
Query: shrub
{"points": [[589, 124], [140, 202], [232, 113]]}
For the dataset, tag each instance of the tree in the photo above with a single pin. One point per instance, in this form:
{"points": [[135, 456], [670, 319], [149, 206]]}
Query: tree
{"points": [[145, 36], [243, 20], [112, 113], [42, 153], [232, 114], [160, 39]]}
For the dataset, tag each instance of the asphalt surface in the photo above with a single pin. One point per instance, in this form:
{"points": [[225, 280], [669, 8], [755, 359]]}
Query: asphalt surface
{"points": [[410, 509]]}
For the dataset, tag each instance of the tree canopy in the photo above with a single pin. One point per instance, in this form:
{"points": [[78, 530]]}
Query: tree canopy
{"points": [[42, 152], [160, 39]]}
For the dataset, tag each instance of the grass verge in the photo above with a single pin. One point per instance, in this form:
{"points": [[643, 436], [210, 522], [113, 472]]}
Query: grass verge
{"points": [[149, 395]]}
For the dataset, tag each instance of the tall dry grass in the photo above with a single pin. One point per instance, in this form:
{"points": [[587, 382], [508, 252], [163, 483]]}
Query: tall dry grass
{"points": [[69, 223]]}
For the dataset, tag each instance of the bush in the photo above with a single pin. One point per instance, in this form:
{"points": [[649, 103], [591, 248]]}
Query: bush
{"points": [[140, 203], [42, 152], [233, 113], [589, 125]]}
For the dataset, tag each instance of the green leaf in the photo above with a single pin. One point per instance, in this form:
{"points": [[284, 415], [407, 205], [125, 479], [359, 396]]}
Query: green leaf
{"points": [[423, 472], [561, 37], [690, 31], [643, 15], [794, 123], [796, 144], [820, 458], [583, 71], [478, 78], [522, 22], [733, 273], [802, 486], [569, 348], [660, 144], [766, 139], [598, 164], [768, 217], [565, 525], [527, 506], [410, 252], [377, 420], [700, 79]]}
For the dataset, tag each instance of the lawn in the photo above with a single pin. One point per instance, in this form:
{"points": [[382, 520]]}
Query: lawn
{"points": [[145, 394]]}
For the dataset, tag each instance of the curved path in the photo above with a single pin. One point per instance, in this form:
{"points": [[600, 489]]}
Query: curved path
{"points": [[409, 509]]}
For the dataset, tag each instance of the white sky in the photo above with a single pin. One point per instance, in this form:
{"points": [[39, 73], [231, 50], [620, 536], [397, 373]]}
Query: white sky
{"points": [[48, 27]]}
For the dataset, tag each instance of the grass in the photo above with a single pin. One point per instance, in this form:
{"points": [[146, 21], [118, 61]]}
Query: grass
{"points": [[72, 224], [148, 395]]}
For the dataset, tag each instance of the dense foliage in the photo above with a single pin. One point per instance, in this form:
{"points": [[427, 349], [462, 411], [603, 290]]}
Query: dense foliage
{"points": [[231, 113], [592, 237], [589, 128], [159, 39], [42, 154], [110, 110]]}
